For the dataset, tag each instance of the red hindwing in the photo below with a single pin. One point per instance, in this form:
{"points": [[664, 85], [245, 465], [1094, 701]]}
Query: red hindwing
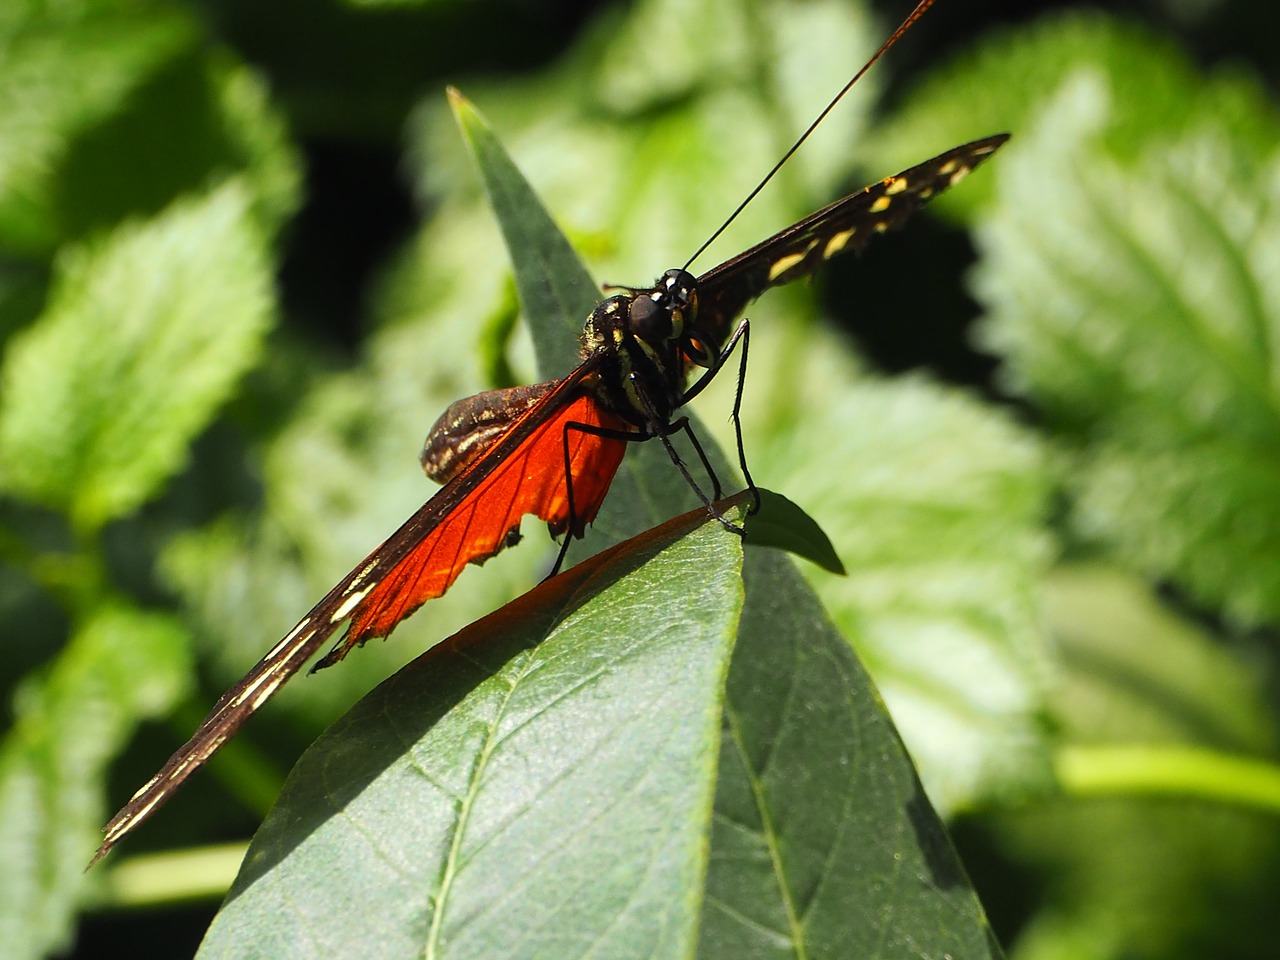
{"points": [[522, 471], [530, 480]]}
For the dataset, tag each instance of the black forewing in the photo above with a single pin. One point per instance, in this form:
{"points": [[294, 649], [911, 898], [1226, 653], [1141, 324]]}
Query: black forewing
{"points": [[847, 224]]}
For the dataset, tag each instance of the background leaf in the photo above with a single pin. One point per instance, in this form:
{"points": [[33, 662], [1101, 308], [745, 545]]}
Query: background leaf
{"points": [[1126, 270], [176, 310], [45, 108], [121, 666], [1144, 321]]}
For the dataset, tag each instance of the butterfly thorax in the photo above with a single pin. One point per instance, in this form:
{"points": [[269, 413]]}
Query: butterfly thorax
{"points": [[643, 343]]}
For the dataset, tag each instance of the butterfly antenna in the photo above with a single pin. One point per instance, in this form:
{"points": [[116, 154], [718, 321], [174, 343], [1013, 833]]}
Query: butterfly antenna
{"points": [[906, 25]]}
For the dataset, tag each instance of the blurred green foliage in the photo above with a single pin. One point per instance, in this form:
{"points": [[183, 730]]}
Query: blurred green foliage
{"points": [[186, 464]]}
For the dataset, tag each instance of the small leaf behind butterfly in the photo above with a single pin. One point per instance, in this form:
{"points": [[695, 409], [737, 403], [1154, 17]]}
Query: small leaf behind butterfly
{"points": [[783, 524], [556, 290]]}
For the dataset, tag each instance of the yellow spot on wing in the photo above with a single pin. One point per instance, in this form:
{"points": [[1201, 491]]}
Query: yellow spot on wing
{"points": [[783, 264], [880, 205], [895, 186], [838, 243]]}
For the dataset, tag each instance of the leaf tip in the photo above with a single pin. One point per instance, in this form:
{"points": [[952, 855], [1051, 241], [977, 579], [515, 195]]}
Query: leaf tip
{"points": [[464, 111], [781, 523]]}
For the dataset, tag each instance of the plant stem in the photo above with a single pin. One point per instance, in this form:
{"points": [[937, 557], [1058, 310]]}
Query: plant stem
{"points": [[1170, 771], [179, 876]]}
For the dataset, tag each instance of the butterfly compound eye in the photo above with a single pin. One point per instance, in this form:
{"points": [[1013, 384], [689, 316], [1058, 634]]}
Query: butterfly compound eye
{"points": [[650, 320]]}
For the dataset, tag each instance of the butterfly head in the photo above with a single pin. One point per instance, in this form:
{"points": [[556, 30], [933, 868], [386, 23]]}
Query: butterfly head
{"points": [[659, 315], [653, 319], [645, 339], [667, 313]]}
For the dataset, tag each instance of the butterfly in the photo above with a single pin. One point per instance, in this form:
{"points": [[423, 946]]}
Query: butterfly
{"points": [[551, 450]]}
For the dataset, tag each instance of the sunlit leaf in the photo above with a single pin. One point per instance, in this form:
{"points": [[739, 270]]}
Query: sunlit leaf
{"points": [[45, 105], [1138, 307], [121, 666], [146, 333]]}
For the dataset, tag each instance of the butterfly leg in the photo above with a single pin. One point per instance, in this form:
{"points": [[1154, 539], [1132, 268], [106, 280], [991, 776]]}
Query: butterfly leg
{"points": [[683, 424], [743, 333], [571, 527], [664, 434]]}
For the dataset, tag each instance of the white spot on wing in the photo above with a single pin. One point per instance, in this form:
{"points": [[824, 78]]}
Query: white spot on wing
{"points": [[783, 264], [279, 648], [265, 693], [372, 565], [348, 605], [135, 816], [145, 787]]}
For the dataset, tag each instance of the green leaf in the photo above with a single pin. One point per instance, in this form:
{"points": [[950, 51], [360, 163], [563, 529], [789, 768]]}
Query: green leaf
{"points": [[111, 114], [555, 288], [782, 524], [824, 843], [559, 754], [937, 517], [1136, 297], [779, 754], [121, 665], [254, 139], [63, 77], [146, 333], [528, 756]]}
